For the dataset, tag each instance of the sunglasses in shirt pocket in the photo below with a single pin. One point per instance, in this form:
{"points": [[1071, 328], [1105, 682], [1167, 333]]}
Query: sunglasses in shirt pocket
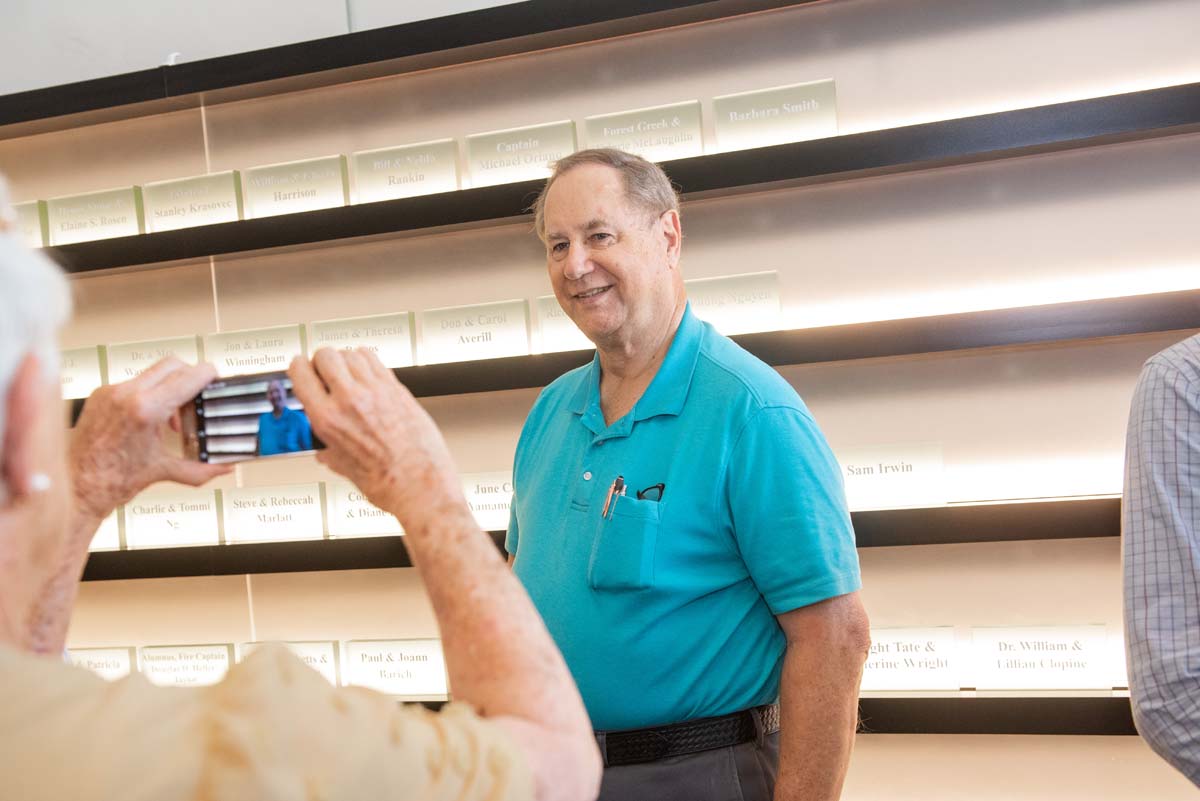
{"points": [[623, 546]]}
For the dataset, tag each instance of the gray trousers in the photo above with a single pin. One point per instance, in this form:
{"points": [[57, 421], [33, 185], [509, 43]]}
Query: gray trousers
{"points": [[743, 772]]}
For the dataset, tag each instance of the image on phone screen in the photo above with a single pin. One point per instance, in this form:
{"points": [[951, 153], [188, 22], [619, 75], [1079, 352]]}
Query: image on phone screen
{"points": [[246, 417]]}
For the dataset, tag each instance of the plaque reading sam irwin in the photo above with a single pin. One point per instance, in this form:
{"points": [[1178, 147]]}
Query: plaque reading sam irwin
{"points": [[273, 514], [163, 518], [406, 668], [188, 202], [912, 659], [186, 665], [388, 335], [81, 372], [556, 331], [97, 215], [129, 359], [260, 350], [466, 333], [1042, 658], [518, 154], [350, 514], [109, 664], [490, 496], [738, 304], [31, 223], [296, 186], [657, 134], [893, 476], [774, 116], [394, 172]]}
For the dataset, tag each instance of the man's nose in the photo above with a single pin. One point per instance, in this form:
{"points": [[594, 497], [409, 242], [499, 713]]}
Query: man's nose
{"points": [[578, 263]]}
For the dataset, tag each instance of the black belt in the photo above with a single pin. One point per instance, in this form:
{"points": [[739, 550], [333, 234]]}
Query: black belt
{"points": [[650, 745]]}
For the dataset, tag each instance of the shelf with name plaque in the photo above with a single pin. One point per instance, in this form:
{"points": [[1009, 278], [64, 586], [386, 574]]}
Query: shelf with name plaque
{"points": [[168, 516], [893, 476], [406, 669], [737, 304], [469, 333], [388, 335], [32, 225], [320, 655], [350, 514], [82, 371], [556, 331], [191, 202], [661, 133], [765, 117], [518, 154], [259, 350], [127, 360], [273, 514], [96, 215], [489, 495], [395, 172], [185, 665], [1043, 658], [109, 664], [913, 659], [295, 186]]}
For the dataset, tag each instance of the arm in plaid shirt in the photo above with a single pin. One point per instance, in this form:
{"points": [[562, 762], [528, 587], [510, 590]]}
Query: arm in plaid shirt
{"points": [[1161, 532]]}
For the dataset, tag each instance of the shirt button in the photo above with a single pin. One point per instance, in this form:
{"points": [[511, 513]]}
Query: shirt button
{"points": [[587, 476]]}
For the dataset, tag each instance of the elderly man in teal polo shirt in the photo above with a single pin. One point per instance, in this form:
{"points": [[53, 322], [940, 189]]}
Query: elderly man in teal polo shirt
{"points": [[680, 522]]}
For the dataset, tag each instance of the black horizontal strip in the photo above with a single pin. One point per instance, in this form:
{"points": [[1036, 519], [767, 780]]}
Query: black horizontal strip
{"points": [[1008, 715], [1081, 123]]}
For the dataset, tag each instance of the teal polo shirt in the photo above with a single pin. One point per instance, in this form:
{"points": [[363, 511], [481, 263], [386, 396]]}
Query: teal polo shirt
{"points": [[665, 609]]}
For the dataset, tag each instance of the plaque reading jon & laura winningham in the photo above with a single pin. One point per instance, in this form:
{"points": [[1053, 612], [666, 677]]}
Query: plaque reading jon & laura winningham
{"points": [[776, 116], [188, 202], [295, 187], [96, 215], [518, 154], [394, 172], [259, 350]]}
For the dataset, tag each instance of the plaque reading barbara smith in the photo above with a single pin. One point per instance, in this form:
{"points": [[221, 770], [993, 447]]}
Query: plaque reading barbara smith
{"points": [[321, 656], [108, 536], [273, 514], [893, 476], [775, 116], [407, 171], [912, 660], [1041, 658], [556, 331], [466, 333], [188, 202], [518, 154], [657, 134], [185, 665], [96, 215], [169, 516], [128, 359], [737, 304], [107, 663], [260, 350], [489, 495], [405, 668], [389, 336], [32, 225], [295, 186], [350, 514], [81, 371]]}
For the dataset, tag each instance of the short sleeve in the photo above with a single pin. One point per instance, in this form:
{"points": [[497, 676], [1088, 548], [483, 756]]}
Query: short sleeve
{"points": [[510, 539], [789, 512]]}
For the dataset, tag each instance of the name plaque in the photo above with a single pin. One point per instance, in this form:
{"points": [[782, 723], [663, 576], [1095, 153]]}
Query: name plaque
{"points": [[518, 154], [273, 514], [96, 215], [466, 333], [556, 331], [108, 536], [32, 226], [893, 476], [188, 202], [661, 133], [186, 665], [82, 372], [109, 664], [388, 335], [261, 350], [912, 659], [737, 304], [775, 116], [490, 496], [128, 359], [350, 514], [1042, 658], [320, 656], [394, 172], [295, 186], [397, 667], [164, 518]]}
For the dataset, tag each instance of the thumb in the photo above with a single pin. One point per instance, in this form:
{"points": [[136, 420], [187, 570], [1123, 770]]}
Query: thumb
{"points": [[186, 471]]}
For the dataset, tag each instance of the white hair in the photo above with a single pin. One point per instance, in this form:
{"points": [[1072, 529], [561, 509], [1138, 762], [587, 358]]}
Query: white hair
{"points": [[35, 301]]}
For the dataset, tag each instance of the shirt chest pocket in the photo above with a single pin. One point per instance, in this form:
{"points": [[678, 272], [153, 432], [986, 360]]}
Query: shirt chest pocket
{"points": [[623, 546]]}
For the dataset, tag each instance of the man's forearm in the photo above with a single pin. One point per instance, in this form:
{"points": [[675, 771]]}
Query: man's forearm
{"points": [[50, 616]]}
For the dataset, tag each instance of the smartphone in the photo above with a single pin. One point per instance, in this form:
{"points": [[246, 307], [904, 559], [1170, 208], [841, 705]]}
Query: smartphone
{"points": [[246, 417]]}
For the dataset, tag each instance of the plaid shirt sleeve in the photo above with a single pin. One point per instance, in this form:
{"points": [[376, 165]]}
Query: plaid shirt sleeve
{"points": [[1161, 545]]}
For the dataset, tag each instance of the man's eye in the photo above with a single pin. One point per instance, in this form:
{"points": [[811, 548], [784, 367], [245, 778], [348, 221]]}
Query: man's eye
{"points": [[601, 238], [558, 247]]}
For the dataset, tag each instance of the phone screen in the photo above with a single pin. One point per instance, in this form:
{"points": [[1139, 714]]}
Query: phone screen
{"points": [[246, 417]]}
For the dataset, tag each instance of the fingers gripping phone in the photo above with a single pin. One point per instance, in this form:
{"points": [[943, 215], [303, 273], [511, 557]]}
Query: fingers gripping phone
{"points": [[246, 417]]}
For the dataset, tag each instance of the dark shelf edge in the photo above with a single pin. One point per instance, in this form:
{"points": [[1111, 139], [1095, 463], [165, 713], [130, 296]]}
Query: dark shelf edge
{"points": [[1081, 123], [1013, 715]]}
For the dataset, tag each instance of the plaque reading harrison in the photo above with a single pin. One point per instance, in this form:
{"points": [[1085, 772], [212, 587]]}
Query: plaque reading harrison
{"points": [[295, 186], [188, 202], [738, 304], [775, 116], [657, 134], [407, 171], [406, 668], [518, 154], [388, 335], [128, 359], [81, 371], [273, 514], [259, 350], [32, 226], [96, 215], [466, 333]]}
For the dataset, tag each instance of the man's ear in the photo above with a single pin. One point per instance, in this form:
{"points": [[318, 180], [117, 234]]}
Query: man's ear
{"points": [[25, 400], [672, 231]]}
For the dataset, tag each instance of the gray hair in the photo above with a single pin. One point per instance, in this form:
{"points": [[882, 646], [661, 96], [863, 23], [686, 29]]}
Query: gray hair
{"points": [[34, 304], [646, 185]]}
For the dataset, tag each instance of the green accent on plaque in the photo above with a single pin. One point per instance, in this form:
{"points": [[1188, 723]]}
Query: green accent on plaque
{"points": [[141, 209], [237, 192], [95, 215], [324, 510], [103, 359], [660, 133], [794, 113], [190, 202], [388, 173], [220, 495], [122, 544], [32, 223]]}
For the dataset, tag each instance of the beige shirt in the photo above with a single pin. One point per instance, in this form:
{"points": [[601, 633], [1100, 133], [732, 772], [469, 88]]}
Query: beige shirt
{"points": [[273, 730]]}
